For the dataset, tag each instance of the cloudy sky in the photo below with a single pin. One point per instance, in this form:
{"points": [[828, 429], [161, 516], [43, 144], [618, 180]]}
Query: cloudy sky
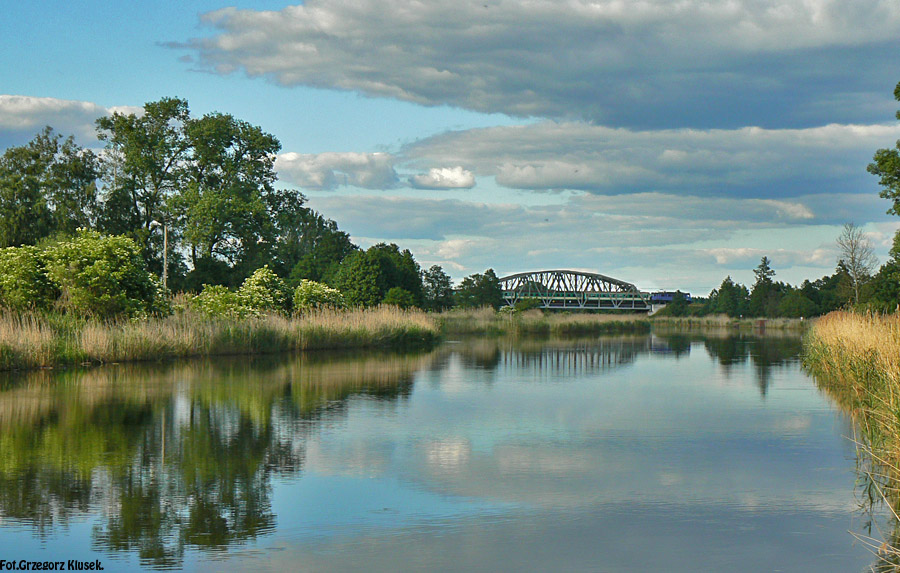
{"points": [[668, 144]]}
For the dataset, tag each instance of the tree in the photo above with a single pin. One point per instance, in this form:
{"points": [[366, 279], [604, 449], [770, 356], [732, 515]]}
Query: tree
{"points": [[857, 255], [399, 297], [886, 166], [229, 174], [479, 290], [144, 164], [357, 278], [437, 289], [732, 299], [47, 186]]}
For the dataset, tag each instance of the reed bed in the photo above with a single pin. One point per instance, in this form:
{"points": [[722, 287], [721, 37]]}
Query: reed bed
{"points": [[856, 361], [534, 322], [725, 321], [46, 340]]}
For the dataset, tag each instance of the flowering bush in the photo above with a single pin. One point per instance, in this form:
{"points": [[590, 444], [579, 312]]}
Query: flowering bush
{"points": [[310, 295], [102, 276], [24, 283], [218, 300], [265, 291]]}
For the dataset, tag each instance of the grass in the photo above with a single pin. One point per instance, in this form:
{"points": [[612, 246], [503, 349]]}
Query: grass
{"points": [[856, 360], [725, 321], [534, 322], [34, 340]]}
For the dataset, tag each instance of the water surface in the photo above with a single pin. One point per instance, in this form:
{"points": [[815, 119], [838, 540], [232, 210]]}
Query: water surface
{"points": [[634, 453]]}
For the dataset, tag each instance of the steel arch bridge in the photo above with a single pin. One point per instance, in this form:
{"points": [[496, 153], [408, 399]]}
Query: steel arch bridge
{"points": [[573, 290]]}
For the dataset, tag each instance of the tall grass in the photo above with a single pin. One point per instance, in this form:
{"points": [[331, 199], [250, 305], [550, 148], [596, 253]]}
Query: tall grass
{"points": [[45, 340], [856, 360], [725, 321], [488, 321]]}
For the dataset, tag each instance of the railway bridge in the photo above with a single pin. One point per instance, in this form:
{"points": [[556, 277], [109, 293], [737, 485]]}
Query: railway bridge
{"points": [[573, 290]]}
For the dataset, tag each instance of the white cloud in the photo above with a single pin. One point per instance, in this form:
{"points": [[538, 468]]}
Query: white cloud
{"points": [[621, 63], [444, 178], [25, 115], [330, 170], [750, 162]]}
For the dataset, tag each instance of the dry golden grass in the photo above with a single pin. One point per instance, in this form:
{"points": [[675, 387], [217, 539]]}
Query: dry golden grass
{"points": [[856, 360], [488, 321], [30, 341]]}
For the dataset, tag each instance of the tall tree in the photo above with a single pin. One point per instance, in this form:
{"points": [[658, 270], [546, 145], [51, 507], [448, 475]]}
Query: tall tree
{"points": [[150, 149], [46, 186], [886, 166], [479, 290], [857, 255], [229, 174], [438, 289]]}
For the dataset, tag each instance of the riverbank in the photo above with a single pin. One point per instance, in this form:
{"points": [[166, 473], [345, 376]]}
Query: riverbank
{"points": [[486, 321], [856, 360], [724, 321], [35, 340]]}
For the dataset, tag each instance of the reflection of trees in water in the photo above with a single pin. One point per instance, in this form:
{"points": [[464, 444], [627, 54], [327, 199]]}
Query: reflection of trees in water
{"points": [[176, 456], [764, 352], [553, 357], [574, 358]]}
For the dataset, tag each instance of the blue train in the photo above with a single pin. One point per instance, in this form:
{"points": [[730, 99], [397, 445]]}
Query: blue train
{"points": [[665, 297]]}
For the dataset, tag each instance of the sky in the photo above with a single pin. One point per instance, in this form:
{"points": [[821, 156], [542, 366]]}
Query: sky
{"points": [[667, 144]]}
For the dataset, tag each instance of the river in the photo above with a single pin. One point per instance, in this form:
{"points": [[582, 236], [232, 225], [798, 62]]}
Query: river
{"points": [[678, 452]]}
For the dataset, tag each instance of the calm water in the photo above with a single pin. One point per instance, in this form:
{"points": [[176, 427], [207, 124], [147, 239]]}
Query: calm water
{"points": [[665, 453]]}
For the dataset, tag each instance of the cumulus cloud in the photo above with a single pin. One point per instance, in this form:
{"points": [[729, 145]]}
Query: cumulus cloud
{"points": [[750, 161], [22, 116], [330, 170], [444, 178], [654, 63]]}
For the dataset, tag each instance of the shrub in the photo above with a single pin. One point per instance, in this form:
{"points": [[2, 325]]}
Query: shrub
{"points": [[310, 295], [102, 276], [219, 301], [399, 297], [264, 291], [24, 283]]}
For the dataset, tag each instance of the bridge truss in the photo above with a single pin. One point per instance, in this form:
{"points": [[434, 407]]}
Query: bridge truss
{"points": [[573, 290]]}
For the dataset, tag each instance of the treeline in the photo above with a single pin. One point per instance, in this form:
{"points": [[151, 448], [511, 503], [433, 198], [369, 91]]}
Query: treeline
{"points": [[197, 196], [768, 298]]}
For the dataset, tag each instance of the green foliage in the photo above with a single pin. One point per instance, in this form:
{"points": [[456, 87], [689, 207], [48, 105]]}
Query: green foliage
{"points": [[311, 295], [480, 290], [264, 291], [365, 277], [678, 306], [46, 187], [220, 301], [437, 289], [24, 283], [525, 304], [796, 305], [886, 166], [357, 278], [102, 276], [399, 297]]}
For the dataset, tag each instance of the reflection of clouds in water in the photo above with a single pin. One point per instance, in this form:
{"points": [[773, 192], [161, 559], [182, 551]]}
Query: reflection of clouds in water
{"points": [[447, 455], [357, 457], [518, 460]]}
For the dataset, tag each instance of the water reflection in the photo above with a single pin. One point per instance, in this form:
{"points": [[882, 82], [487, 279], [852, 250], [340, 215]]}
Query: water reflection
{"points": [[190, 456], [174, 456]]}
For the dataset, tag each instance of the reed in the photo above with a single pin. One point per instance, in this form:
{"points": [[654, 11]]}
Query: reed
{"points": [[45, 340], [534, 322], [856, 361]]}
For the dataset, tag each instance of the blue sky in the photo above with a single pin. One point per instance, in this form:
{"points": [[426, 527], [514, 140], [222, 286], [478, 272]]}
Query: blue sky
{"points": [[667, 144]]}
